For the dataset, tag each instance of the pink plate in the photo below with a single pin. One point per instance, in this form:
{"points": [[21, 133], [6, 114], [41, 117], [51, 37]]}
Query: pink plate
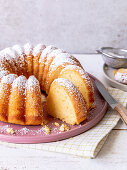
{"points": [[36, 134]]}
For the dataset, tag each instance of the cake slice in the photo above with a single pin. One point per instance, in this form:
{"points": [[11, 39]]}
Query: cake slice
{"points": [[82, 81], [65, 102]]}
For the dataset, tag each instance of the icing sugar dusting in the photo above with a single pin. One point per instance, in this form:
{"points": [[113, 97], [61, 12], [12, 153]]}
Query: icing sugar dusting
{"points": [[8, 52], [18, 49], [20, 82], [61, 61], [72, 90], [82, 72], [38, 48], [46, 51], [3, 73], [28, 48], [9, 78], [32, 82], [10, 57], [66, 83], [54, 53], [19, 57]]}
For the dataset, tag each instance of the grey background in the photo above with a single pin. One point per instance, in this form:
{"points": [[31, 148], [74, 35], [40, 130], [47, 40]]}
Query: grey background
{"points": [[78, 26]]}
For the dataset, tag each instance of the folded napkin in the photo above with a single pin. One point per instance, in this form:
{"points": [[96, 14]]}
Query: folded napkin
{"points": [[89, 143]]}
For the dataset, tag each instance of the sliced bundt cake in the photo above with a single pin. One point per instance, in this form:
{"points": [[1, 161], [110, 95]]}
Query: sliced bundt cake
{"points": [[24, 70], [65, 102]]}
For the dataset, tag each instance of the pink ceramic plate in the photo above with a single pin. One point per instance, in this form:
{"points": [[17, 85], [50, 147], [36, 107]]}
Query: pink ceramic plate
{"points": [[36, 134]]}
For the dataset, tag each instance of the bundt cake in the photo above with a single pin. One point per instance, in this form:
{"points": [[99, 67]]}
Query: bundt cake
{"points": [[26, 70], [65, 102]]}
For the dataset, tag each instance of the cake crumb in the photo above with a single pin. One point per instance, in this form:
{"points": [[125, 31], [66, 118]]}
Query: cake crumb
{"points": [[47, 130], [64, 127], [44, 122], [57, 124], [10, 130]]}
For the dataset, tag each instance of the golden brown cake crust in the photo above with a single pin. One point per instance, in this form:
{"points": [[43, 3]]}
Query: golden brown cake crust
{"points": [[16, 108]]}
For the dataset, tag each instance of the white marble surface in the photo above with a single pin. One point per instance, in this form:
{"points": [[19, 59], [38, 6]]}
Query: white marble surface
{"points": [[79, 26], [112, 155]]}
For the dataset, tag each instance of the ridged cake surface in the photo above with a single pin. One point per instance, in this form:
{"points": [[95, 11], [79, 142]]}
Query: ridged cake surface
{"points": [[33, 104], [5, 90], [16, 107], [28, 69]]}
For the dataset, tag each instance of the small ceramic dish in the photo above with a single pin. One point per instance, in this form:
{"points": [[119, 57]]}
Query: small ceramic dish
{"points": [[114, 57], [109, 76]]}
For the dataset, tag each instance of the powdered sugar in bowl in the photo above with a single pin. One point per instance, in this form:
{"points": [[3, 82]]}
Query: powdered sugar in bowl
{"points": [[114, 57]]}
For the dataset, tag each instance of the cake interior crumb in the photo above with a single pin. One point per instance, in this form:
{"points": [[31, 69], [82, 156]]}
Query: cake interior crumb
{"points": [[64, 127], [47, 130], [56, 124]]}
